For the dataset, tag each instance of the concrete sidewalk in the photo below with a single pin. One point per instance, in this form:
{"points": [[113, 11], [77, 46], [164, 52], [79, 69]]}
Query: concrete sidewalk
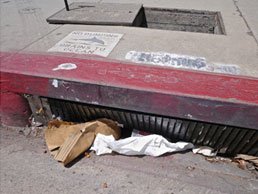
{"points": [[26, 167]]}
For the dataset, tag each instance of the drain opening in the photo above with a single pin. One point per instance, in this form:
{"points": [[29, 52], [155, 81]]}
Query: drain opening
{"points": [[226, 139], [181, 20], [136, 15]]}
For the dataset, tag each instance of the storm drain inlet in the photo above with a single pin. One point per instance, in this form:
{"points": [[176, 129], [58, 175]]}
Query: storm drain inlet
{"points": [[182, 20], [117, 14]]}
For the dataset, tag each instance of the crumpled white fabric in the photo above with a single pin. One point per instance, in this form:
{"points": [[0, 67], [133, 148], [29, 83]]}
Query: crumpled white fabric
{"points": [[152, 145], [205, 150]]}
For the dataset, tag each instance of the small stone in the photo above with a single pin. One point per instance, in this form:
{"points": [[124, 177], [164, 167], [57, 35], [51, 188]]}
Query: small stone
{"points": [[104, 185]]}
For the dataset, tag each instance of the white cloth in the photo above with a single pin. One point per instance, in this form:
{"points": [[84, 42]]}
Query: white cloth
{"points": [[152, 145], [205, 150]]}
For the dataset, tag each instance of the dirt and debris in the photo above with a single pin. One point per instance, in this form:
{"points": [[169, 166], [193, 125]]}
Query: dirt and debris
{"points": [[34, 128], [218, 159], [190, 168], [104, 185], [246, 162], [87, 155]]}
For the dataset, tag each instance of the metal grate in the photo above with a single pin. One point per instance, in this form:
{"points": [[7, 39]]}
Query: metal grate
{"points": [[226, 139]]}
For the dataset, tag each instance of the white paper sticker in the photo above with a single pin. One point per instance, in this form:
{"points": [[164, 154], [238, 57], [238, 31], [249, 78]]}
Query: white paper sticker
{"points": [[167, 59], [180, 61], [65, 66], [83, 42]]}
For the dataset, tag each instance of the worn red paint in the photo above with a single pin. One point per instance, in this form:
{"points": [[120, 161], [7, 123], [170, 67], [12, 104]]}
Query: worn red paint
{"points": [[233, 88], [14, 110], [164, 87], [25, 84]]}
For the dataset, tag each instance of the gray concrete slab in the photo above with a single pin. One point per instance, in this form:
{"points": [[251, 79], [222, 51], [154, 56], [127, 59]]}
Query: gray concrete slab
{"points": [[24, 22], [249, 11], [97, 14], [215, 48], [26, 168]]}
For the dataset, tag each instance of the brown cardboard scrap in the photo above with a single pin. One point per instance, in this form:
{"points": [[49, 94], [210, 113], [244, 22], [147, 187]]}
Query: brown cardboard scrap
{"points": [[66, 140], [58, 131], [74, 145]]}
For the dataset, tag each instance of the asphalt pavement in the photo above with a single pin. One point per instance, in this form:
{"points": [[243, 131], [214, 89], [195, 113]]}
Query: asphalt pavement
{"points": [[27, 167]]}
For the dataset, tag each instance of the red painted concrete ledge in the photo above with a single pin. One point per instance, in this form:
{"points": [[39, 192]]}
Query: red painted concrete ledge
{"points": [[216, 98]]}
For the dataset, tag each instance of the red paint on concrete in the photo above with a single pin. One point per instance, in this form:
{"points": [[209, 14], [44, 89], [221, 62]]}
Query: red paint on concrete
{"points": [[14, 110], [140, 77], [25, 84]]}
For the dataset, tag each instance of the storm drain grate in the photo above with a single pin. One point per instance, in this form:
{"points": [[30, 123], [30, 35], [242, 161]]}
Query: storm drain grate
{"points": [[226, 139]]}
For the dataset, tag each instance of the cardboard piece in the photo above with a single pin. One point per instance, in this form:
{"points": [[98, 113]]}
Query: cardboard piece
{"points": [[66, 141]]}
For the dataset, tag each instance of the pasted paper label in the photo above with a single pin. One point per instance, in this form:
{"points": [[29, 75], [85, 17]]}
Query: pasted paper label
{"points": [[180, 61]]}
